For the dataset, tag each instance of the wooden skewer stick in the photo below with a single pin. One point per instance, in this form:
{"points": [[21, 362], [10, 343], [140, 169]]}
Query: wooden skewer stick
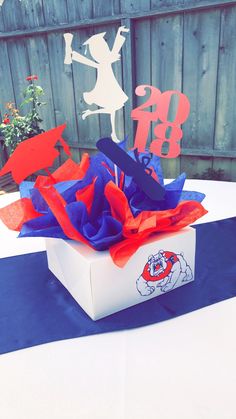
{"points": [[116, 175]]}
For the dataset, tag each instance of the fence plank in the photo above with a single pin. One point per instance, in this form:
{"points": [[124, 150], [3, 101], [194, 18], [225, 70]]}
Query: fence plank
{"points": [[142, 51], [116, 7], [63, 88], [12, 15], [226, 90], [55, 12], [102, 8], [17, 53], [17, 67], [3, 154], [84, 81], [79, 10], [187, 4], [1, 20], [117, 69], [38, 58], [39, 65], [6, 87], [22, 14], [32, 13], [170, 167], [134, 6], [166, 48], [193, 166], [142, 61], [128, 65], [201, 42], [61, 74], [20, 69], [226, 165], [166, 9], [233, 170]]}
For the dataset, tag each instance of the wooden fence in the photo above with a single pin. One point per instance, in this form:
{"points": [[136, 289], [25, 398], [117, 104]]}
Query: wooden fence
{"points": [[186, 45]]}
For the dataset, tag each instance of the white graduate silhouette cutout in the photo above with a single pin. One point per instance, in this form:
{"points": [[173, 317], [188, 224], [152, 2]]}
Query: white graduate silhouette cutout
{"points": [[107, 93]]}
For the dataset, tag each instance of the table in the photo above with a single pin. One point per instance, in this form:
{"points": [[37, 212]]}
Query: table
{"points": [[179, 369]]}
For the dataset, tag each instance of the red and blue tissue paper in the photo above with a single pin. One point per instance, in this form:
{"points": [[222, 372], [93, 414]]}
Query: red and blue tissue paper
{"points": [[84, 202]]}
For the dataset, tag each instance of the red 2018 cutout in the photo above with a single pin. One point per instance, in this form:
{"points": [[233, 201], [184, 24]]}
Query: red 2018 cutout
{"points": [[153, 100], [162, 102], [143, 116]]}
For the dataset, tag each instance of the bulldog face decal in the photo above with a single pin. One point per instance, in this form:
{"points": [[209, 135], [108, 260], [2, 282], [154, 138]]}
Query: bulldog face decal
{"points": [[164, 271]]}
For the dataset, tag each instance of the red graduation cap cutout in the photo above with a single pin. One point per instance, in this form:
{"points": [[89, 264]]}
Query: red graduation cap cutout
{"points": [[35, 154]]}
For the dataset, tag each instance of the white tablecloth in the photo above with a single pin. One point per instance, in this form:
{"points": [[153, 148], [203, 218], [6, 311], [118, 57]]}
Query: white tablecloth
{"points": [[179, 369]]}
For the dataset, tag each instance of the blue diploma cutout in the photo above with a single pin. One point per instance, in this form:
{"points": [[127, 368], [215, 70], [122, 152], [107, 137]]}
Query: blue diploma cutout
{"points": [[135, 169]]}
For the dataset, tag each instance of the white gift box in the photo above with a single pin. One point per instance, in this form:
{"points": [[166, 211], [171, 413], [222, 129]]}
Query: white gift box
{"points": [[101, 288]]}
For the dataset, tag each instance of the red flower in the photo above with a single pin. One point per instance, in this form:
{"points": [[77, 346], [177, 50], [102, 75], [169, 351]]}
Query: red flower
{"points": [[34, 77], [6, 121]]}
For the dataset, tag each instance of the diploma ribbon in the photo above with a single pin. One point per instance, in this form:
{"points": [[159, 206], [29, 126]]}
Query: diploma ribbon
{"points": [[144, 161]]}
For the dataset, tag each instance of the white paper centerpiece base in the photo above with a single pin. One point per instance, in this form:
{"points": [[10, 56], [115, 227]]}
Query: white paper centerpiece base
{"points": [[165, 262]]}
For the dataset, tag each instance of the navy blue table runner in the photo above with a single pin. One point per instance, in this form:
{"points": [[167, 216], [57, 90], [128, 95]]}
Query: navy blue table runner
{"points": [[35, 308]]}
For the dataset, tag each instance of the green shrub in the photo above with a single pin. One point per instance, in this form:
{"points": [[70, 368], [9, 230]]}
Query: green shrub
{"points": [[16, 128]]}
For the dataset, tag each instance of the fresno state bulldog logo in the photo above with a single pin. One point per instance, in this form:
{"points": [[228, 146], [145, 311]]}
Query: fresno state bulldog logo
{"points": [[164, 271]]}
